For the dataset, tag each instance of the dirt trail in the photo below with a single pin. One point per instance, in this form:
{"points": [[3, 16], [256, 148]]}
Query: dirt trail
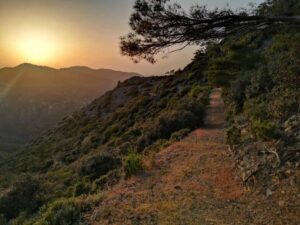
{"points": [[192, 182]]}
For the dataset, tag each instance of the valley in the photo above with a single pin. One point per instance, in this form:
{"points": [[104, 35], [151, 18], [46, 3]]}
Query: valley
{"points": [[216, 142], [34, 98]]}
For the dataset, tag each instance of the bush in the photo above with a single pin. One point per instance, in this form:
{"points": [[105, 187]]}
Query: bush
{"points": [[2, 220], [255, 109], [158, 145], [265, 129], [196, 91], [172, 121], [238, 88], [99, 165], [25, 195], [61, 212], [100, 182], [20, 220], [133, 163], [104, 180], [233, 136], [178, 135], [81, 188]]}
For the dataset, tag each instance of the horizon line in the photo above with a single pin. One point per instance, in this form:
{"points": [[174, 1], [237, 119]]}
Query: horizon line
{"points": [[69, 67]]}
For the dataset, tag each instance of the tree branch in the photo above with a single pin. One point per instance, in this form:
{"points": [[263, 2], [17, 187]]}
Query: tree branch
{"points": [[157, 25]]}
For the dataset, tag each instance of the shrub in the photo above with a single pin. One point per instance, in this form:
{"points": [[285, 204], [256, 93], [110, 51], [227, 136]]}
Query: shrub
{"points": [[197, 90], [20, 220], [100, 182], [25, 195], [256, 110], [178, 135], [265, 129], [238, 88], [284, 103], [172, 121], [99, 165], [61, 212], [133, 91], [187, 113], [2, 220], [133, 163], [233, 136], [81, 188], [158, 145]]}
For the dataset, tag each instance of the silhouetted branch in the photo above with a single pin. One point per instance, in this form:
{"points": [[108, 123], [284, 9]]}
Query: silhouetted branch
{"points": [[157, 25]]}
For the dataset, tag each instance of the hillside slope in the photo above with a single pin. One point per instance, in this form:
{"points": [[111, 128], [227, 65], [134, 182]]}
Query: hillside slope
{"points": [[193, 182], [110, 162], [34, 98], [102, 143]]}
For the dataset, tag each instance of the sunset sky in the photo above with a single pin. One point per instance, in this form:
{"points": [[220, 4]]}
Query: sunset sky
{"points": [[62, 33]]}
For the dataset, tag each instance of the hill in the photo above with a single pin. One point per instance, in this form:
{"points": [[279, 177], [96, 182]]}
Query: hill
{"points": [[34, 98], [139, 116], [194, 181], [143, 154]]}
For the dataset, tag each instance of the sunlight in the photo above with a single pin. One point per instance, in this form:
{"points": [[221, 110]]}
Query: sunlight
{"points": [[10, 85], [37, 48]]}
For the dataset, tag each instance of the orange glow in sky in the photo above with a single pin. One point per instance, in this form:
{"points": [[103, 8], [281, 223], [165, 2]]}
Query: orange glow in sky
{"points": [[62, 33], [37, 48]]}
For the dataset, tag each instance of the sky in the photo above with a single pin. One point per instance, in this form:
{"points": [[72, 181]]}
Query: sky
{"points": [[64, 33]]}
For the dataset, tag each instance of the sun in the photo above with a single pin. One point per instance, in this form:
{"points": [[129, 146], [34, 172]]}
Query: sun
{"points": [[37, 48]]}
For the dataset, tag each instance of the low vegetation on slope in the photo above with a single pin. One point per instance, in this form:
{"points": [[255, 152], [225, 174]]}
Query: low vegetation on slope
{"points": [[97, 145], [61, 175], [260, 78], [113, 136], [34, 98]]}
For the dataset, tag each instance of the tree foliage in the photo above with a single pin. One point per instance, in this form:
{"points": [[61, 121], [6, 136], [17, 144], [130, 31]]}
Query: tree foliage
{"points": [[158, 24]]}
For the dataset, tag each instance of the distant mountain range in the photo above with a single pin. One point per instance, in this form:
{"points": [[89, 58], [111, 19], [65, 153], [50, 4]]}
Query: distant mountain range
{"points": [[34, 98]]}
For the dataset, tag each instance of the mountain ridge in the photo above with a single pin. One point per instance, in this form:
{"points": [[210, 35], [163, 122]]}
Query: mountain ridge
{"points": [[37, 97], [141, 154], [28, 65]]}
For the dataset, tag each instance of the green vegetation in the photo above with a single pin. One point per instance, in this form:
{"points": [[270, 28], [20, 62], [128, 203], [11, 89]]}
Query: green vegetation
{"points": [[178, 135], [98, 165], [44, 97], [265, 130], [92, 149], [267, 92], [61, 212], [233, 136], [25, 197], [259, 74], [133, 163], [81, 188]]}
